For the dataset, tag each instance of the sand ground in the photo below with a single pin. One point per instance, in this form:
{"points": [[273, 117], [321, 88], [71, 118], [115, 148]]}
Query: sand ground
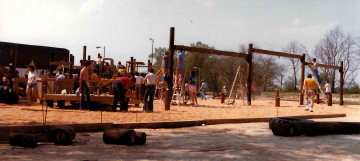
{"points": [[251, 141], [209, 109]]}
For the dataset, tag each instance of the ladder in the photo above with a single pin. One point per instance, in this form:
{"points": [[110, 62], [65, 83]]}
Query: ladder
{"points": [[237, 84], [316, 80], [177, 96]]}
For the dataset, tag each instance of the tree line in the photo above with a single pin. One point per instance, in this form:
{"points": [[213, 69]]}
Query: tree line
{"points": [[268, 73]]}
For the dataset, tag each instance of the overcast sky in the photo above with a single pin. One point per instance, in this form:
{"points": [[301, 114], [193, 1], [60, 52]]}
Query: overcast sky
{"points": [[125, 27]]}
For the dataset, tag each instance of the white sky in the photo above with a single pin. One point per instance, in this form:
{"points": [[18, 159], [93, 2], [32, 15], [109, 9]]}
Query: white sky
{"points": [[125, 27]]}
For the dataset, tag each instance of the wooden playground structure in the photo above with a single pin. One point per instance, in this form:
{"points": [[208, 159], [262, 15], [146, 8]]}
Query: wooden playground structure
{"points": [[248, 58]]}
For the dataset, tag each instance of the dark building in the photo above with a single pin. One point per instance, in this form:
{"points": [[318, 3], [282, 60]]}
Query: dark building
{"points": [[41, 55]]}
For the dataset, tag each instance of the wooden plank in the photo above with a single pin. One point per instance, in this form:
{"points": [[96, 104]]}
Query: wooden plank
{"points": [[139, 63], [329, 66], [211, 51], [274, 53], [97, 98], [62, 63]]}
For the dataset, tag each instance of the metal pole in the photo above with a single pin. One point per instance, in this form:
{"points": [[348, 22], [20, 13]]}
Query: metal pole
{"points": [[152, 52]]}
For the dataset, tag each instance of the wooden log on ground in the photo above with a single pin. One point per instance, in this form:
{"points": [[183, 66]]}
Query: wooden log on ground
{"points": [[22, 139], [119, 136], [140, 138], [64, 135]]}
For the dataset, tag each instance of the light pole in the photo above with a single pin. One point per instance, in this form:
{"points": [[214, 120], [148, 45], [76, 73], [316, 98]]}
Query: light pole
{"points": [[152, 50], [103, 48], [199, 76]]}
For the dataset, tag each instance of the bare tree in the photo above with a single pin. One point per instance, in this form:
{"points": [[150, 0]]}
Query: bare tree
{"points": [[293, 48], [336, 47]]}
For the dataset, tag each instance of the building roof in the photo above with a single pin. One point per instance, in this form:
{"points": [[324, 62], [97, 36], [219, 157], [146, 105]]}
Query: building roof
{"points": [[32, 48]]}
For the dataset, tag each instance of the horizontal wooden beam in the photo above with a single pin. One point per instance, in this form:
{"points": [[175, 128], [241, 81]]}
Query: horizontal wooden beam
{"points": [[212, 51], [140, 63], [329, 66], [61, 63], [274, 53]]}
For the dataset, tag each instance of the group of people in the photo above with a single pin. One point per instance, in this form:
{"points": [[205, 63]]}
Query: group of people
{"points": [[309, 87]]}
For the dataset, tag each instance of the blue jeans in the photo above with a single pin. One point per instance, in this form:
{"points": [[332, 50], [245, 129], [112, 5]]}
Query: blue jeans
{"points": [[85, 91], [203, 95], [317, 76], [150, 92]]}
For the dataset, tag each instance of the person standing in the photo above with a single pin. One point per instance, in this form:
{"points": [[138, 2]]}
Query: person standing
{"points": [[180, 69], [31, 87], [327, 87], [139, 81], [98, 63], [84, 85], [192, 88], [309, 90], [150, 90], [314, 65], [120, 88], [203, 89]]}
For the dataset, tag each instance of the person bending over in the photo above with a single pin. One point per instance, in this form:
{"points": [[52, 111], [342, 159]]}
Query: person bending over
{"points": [[120, 88]]}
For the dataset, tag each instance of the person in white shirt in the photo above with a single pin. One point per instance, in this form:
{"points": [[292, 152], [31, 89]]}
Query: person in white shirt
{"points": [[31, 87], [98, 63], [327, 87], [150, 90], [138, 82]]}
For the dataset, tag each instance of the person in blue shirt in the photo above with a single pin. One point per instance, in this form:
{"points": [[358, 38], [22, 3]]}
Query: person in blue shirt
{"points": [[192, 88], [180, 69]]}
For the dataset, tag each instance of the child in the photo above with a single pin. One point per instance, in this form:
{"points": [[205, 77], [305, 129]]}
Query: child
{"points": [[192, 88], [94, 81], [327, 87]]}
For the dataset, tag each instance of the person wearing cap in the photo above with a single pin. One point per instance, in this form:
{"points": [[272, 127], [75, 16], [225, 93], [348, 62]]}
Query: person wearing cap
{"points": [[203, 89], [309, 90]]}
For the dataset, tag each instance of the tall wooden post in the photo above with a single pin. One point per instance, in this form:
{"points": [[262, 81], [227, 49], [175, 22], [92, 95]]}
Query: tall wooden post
{"points": [[13, 54], [71, 66], [249, 72], [149, 65], [169, 79], [89, 57], [51, 60], [84, 56], [302, 79], [132, 65], [277, 98], [341, 83]]}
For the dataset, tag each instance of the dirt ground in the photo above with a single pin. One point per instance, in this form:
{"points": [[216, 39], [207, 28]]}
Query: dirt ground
{"points": [[251, 141], [209, 109]]}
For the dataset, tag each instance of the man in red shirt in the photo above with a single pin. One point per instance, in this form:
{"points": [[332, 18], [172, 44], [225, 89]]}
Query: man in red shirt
{"points": [[120, 88]]}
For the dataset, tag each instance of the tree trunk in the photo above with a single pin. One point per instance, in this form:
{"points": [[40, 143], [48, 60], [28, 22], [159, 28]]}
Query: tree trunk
{"points": [[21, 139]]}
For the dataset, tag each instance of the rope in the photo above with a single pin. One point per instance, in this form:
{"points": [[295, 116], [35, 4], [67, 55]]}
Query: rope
{"points": [[115, 152]]}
